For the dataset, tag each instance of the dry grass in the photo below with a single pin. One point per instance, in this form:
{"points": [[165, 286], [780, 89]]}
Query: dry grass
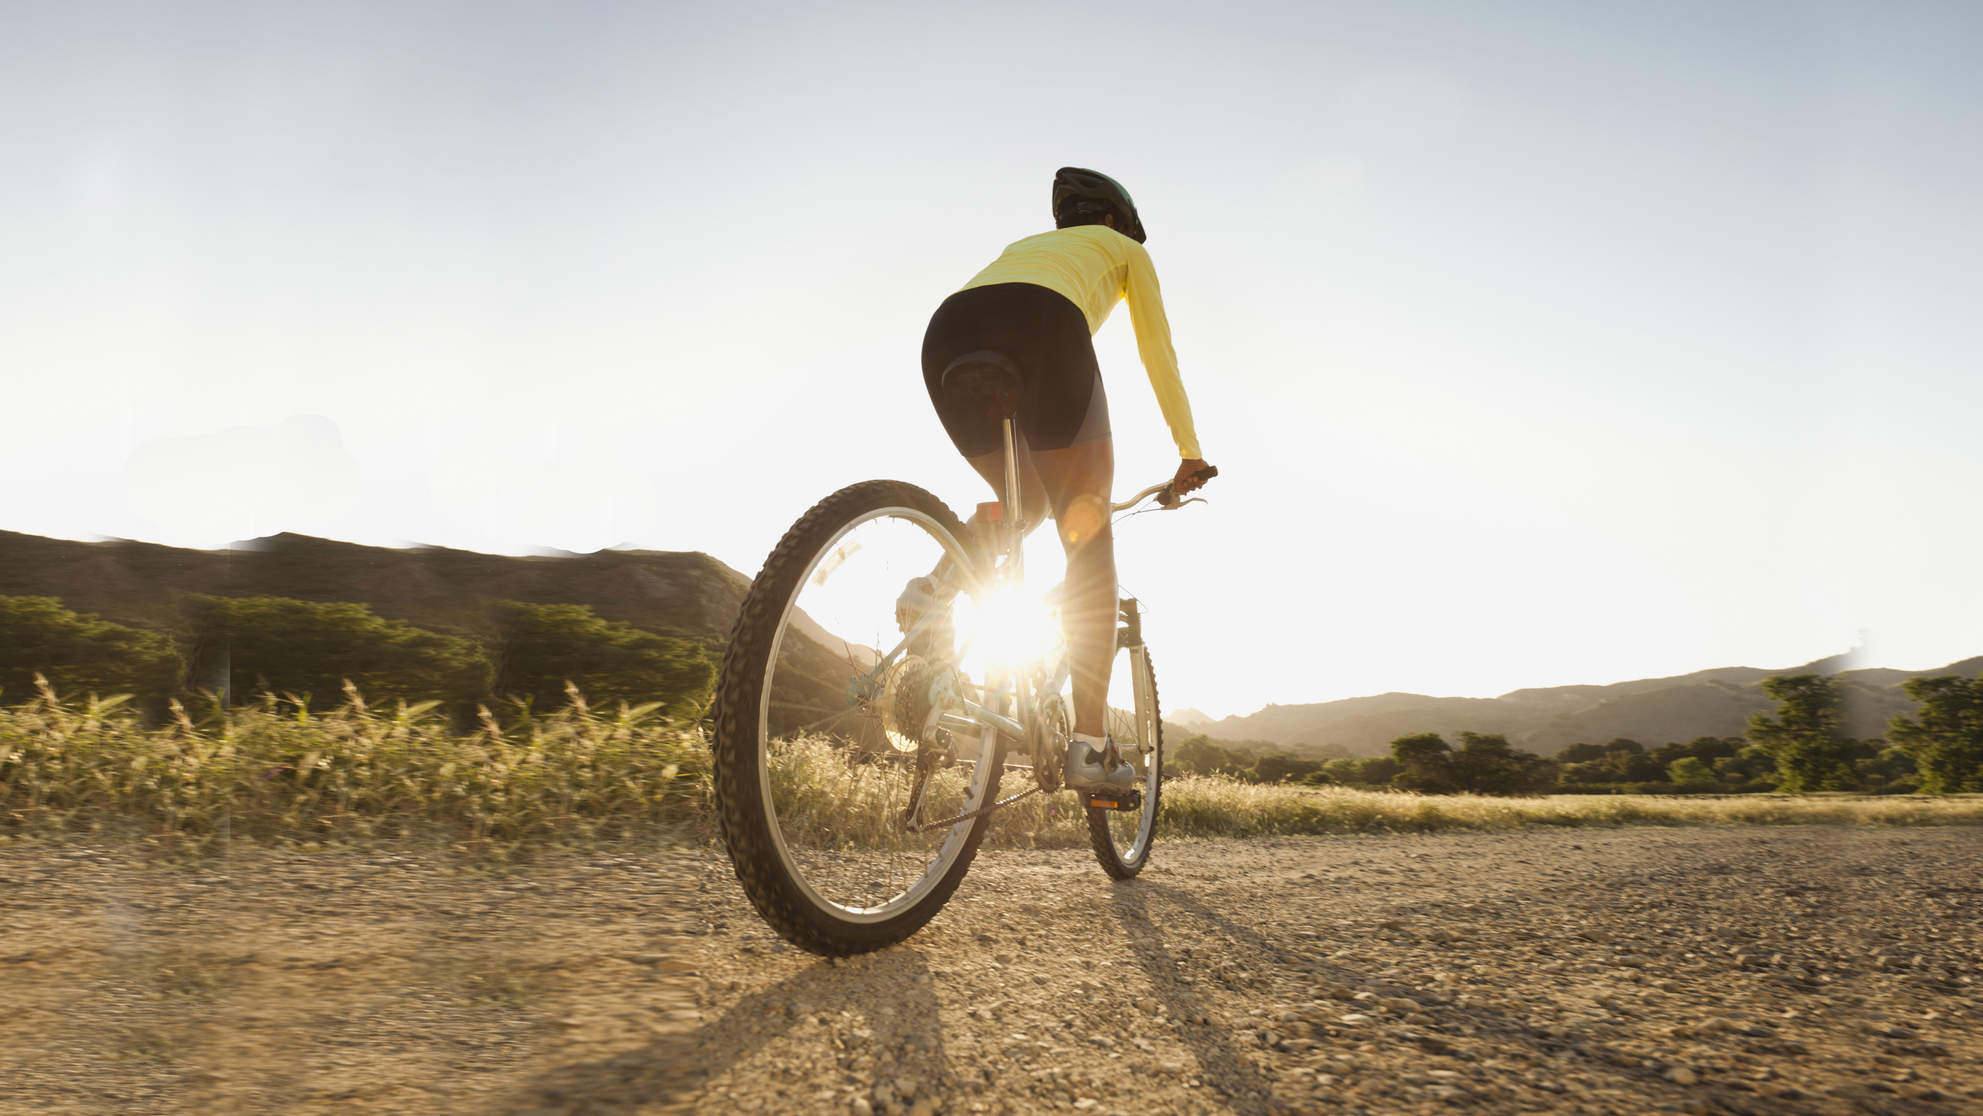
{"points": [[824, 795], [356, 772], [351, 772], [1224, 808]]}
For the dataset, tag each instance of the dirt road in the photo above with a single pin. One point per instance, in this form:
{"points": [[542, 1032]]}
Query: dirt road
{"points": [[1793, 970]]}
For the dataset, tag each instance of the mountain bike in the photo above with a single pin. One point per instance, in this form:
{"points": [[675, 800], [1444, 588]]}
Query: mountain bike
{"points": [[860, 744]]}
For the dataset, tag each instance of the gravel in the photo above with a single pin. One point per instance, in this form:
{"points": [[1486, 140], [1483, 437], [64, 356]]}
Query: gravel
{"points": [[376, 980], [1758, 970]]}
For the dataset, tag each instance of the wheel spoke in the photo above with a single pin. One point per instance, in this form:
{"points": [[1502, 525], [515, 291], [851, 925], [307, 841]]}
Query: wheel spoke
{"points": [[801, 730]]}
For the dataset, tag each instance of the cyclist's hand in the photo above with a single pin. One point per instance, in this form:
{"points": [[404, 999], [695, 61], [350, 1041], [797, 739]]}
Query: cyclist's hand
{"points": [[1192, 473]]}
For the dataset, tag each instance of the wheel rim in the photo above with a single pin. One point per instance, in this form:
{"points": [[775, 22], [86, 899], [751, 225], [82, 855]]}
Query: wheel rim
{"points": [[840, 766]]}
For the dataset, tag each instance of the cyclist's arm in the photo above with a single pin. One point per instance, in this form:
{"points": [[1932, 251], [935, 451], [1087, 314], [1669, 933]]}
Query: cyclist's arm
{"points": [[1153, 344]]}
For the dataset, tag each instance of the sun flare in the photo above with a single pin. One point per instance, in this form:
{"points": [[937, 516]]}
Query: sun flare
{"points": [[1007, 628]]}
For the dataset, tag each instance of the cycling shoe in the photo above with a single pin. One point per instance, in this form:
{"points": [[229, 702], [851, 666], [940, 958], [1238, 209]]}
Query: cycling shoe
{"points": [[1088, 769]]}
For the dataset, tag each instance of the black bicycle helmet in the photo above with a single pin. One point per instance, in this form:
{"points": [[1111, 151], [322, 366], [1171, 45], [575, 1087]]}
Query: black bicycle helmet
{"points": [[1085, 197]]}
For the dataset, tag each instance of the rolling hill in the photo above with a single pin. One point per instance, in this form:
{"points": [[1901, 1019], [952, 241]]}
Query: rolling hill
{"points": [[1652, 711], [690, 595]]}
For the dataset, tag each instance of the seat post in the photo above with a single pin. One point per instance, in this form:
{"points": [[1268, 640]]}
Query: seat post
{"points": [[1014, 514]]}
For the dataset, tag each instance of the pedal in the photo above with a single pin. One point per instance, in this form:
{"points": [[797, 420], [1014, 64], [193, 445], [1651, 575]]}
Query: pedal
{"points": [[1131, 799]]}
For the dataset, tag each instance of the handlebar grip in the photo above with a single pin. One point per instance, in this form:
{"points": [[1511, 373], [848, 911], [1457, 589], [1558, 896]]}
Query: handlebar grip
{"points": [[1169, 497]]}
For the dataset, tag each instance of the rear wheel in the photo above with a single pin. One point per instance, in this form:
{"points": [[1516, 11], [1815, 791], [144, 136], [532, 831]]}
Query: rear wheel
{"points": [[838, 752], [1122, 827]]}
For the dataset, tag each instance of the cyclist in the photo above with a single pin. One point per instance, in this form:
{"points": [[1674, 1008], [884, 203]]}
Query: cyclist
{"points": [[1038, 305]]}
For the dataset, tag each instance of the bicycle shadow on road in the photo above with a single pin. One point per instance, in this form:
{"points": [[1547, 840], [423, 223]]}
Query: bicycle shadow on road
{"points": [[1141, 905], [1220, 1062], [671, 1072], [1150, 912]]}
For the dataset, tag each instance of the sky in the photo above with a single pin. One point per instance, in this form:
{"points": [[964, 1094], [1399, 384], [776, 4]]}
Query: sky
{"points": [[1537, 343]]}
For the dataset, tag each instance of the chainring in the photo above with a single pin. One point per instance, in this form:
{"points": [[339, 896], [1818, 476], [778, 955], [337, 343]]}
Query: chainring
{"points": [[1048, 742]]}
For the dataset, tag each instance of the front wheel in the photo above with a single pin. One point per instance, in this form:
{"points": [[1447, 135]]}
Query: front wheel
{"points": [[1122, 827]]}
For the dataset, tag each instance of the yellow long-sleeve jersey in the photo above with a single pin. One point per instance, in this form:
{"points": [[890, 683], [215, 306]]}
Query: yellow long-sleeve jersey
{"points": [[1095, 267]]}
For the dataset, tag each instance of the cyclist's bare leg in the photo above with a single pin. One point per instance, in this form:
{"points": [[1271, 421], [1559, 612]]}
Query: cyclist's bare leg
{"points": [[1076, 482]]}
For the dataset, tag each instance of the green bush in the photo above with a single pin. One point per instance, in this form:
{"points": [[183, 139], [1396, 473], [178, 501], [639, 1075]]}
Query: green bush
{"points": [[306, 651], [1691, 771], [1283, 768], [80, 654], [1945, 740], [1197, 755], [1751, 767], [1618, 761], [1425, 763], [1487, 764], [1484, 763], [1804, 738], [1372, 773], [540, 649]]}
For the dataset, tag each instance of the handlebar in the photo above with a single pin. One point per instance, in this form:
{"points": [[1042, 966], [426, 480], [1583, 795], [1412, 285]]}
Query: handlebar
{"points": [[1166, 496]]}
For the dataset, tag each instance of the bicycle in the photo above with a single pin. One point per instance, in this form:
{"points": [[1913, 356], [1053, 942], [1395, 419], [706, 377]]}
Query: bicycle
{"points": [[859, 747]]}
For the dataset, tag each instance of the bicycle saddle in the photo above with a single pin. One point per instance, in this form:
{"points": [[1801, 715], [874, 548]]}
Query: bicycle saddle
{"points": [[985, 382]]}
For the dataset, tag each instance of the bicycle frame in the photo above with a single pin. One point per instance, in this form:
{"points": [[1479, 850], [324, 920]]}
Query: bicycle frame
{"points": [[1009, 528]]}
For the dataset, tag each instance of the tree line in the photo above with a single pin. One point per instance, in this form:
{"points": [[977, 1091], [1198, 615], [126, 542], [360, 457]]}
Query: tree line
{"points": [[1799, 747], [302, 653]]}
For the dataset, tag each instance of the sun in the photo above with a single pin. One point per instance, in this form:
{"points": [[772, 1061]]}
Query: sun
{"points": [[1009, 628]]}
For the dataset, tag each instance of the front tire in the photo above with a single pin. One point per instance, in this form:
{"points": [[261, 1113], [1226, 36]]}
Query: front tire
{"points": [[1122, 838]]}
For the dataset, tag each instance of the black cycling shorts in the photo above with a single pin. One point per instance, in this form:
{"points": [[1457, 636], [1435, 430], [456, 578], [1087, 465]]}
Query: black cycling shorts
{"points": [[1046, 338]]}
